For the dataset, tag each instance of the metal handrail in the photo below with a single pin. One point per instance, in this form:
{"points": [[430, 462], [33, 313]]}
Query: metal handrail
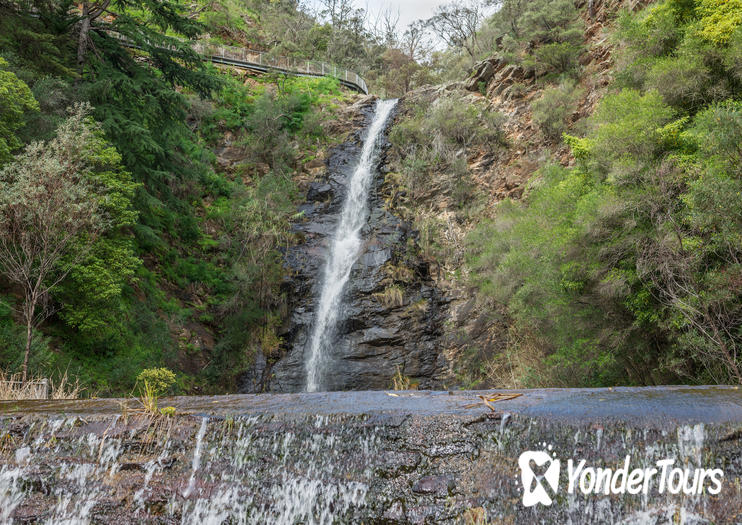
{"points": [[289, 65], [243, 57]]}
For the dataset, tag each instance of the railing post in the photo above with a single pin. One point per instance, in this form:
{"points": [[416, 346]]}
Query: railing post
{"points": [[45, 388]]}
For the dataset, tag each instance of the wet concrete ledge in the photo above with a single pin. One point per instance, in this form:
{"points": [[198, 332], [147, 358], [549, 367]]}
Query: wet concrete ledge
{"points": [[645, 406], [363, 457]]}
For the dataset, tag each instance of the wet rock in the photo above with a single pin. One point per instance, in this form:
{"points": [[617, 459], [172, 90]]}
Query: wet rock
{"points": [[399, 462], [253, 381], [385, 324], [293, 458], [319, 192], [395, 513], [437, 485], [452, 449]]}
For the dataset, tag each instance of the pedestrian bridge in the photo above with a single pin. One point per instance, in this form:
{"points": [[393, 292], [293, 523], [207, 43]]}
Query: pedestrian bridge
{"points": [[263, 62]]}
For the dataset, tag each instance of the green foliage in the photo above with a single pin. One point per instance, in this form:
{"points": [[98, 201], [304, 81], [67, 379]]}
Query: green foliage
{"points": [[665, 48], [552, 111], [623, 269], [91, 295], [719, 19], [158, 380], [555, 58], [627, 130], [580, 147], [717, 130], [187, 276], [544, 35], [36, 43], [436, 138], [57, 199], [526, 260], [15, 101]]}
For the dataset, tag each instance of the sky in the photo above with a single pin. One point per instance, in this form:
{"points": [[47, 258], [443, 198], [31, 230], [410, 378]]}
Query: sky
{"points": [[409, 10]]}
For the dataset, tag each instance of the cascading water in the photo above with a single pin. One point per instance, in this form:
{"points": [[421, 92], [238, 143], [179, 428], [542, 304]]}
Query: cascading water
{"points": [[242, 471], [344, 250], [412, 458]]}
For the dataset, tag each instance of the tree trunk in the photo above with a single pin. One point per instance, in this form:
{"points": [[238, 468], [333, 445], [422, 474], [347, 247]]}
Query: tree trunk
{"points": [[82, 42], [29, 337]]}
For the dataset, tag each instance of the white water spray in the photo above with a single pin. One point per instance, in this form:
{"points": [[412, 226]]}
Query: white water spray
{"points": [[196, 457], [344, 250]]}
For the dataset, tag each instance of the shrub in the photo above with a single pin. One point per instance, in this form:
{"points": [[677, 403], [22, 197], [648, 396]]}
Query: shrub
{"points": [[437, 139], [717, 131], [401, 381], [16, 101], [551, 112], [391, 297], [683, 81], [158, 380], [626, 127], [453, 122], [546, 35], [556, 58], [547, 21], [676, 49], [733, 57], [626, 268], [719, 19]]}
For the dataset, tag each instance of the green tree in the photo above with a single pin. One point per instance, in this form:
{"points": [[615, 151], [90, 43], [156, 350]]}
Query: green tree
{"points": [[545, 35], [56, 200], [16, 100]]}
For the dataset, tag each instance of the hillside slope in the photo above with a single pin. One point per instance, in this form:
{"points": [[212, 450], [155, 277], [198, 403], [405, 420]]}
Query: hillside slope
{"points": [[567, 289]]}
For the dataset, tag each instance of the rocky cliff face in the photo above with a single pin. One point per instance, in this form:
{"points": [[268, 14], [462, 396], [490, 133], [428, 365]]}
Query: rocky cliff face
{"points": [[392, 310]]}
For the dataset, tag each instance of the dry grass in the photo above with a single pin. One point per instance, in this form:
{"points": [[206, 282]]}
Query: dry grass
{"points": [[391, 297], [476, 516], [12, 388], [521, 363], [402, 382]]}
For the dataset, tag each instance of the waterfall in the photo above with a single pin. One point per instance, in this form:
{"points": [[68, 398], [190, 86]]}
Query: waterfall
{"points": [[344, 250]]}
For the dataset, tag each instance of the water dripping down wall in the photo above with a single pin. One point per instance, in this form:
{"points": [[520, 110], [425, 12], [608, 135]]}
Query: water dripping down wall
{"points": [[230, 471], [431, 462]]}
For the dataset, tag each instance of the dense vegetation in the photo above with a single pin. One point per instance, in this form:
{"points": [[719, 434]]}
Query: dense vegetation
{"points": [[155, 247], [625, 269], [123, 238]]}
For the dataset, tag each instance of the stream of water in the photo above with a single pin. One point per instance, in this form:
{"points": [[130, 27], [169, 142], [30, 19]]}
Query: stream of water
{"points": [[344, 251]]}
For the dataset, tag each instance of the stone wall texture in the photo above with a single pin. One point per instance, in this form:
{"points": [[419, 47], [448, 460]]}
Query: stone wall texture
{"points": [[362, 457]]}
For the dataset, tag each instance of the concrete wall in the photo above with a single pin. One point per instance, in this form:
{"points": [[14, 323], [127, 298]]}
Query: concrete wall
{"points": [[370, 457]]}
